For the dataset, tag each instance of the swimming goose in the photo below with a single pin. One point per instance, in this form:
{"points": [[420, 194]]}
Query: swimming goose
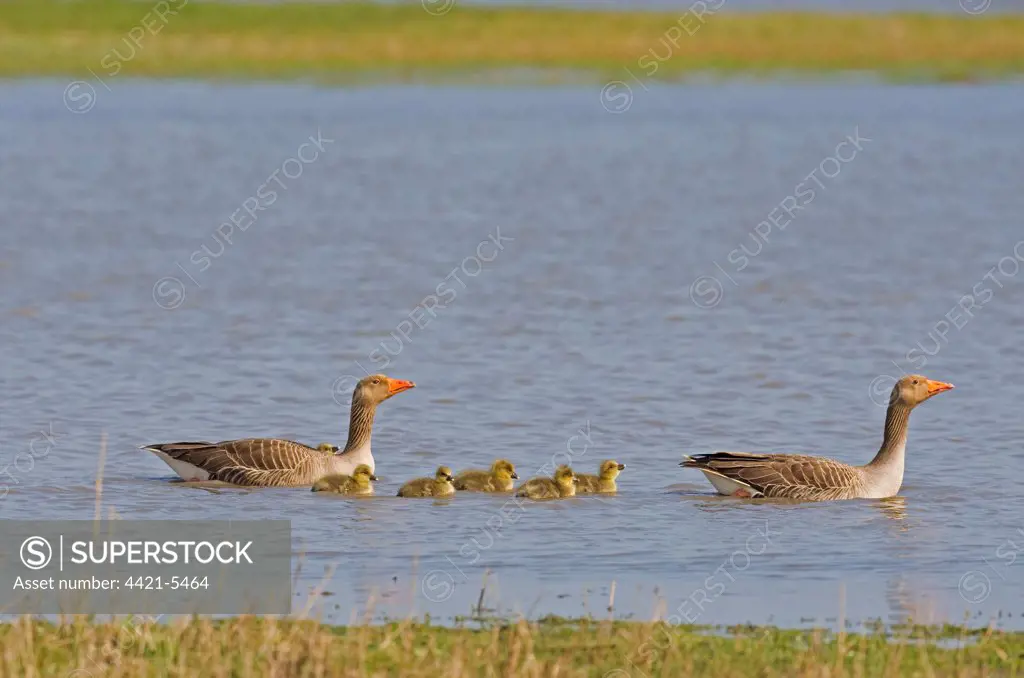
{"points": [[271, 462], [816, 478], [562, 485], [498, 479], [438, 486], [356, 484], [604, 482]]}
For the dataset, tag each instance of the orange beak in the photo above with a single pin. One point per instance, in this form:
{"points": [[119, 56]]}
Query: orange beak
{"points": [[938, 387], [399, 385]]}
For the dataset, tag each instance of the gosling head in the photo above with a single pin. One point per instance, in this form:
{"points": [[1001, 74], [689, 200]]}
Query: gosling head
{"points": [[377, 388], [363, 475], [564, 476], [327, 447], [444, 475], [610, 469], [503, 468], [913, 389]]}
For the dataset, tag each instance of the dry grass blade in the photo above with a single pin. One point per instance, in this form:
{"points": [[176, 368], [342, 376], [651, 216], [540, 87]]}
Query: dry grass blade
{"points": [[253, 647]]}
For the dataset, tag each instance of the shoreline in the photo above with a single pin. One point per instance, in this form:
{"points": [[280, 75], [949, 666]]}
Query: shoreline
{"points": [[258, 647], [364, 43]]}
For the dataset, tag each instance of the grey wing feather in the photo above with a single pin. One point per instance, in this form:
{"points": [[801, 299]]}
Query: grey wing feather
{"points": [[251, 461], [781, 475]]}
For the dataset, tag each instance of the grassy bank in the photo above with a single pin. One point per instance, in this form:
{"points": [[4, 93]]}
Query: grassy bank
{"points": [[178, 38], [257, 648]]}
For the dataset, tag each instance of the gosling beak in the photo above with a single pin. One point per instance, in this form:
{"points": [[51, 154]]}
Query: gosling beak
{"points": [[622, 466], [450, 478], [938, 387], [396, 386], [515, 476], [373, 477]]}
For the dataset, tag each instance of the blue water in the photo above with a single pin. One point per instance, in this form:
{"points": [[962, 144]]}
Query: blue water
{"points": [[613, 226]]}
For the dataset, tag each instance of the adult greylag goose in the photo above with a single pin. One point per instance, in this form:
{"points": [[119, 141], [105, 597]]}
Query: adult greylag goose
{"points": [[438, 486], [810, 478], [562, 485], [271, 462], [498, 479], [604, 482]]}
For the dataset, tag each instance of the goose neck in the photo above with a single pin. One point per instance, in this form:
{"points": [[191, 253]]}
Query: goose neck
{"points": [[894, 441], [360, 426]]}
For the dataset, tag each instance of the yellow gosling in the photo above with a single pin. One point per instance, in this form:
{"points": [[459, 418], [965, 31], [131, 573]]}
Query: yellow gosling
{"points": [[357, 484], [438, 486], [604, 482], [498, 479], [562, 485]]}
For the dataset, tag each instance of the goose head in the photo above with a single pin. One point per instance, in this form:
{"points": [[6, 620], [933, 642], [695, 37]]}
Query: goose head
{"points": [[610, 469], [503, 468], [377, 388], [444, 475], [913, 389], [363, 475], [565, 477]]}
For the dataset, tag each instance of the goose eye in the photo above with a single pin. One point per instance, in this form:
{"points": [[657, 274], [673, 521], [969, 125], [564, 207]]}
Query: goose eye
{"points": [[915, 382]]}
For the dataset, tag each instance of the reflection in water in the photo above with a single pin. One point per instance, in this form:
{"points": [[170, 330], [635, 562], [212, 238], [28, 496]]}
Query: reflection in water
{"points": [[212, 486], [894, 508], [901, 607], [909, 605]]}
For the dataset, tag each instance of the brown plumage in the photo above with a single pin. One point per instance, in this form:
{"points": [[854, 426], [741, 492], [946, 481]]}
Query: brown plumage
{"points": [[603, 482], [790, 476], [272, 462], [562, 485], [810, 478], [499, 478], [438, 486], [262, 462]]}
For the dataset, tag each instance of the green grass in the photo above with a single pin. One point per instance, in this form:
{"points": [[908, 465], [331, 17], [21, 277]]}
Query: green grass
{"points": [[363, 40], [264, 648]]}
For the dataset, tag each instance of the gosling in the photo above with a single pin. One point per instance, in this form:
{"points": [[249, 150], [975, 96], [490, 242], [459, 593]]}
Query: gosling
{"points": [[438, 486], [604, 483], [327, 447], [498, 479], [562, 485], [357, 484]]}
